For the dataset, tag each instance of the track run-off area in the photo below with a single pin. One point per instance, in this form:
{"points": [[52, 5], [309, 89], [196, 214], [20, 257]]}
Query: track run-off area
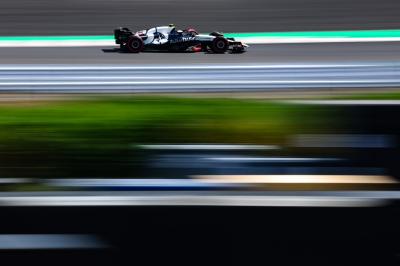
{"points": [[182, 78]]}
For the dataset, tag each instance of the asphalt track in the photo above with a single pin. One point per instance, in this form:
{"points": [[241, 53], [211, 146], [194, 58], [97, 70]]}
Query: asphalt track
{"points": [[329, 53], [183, 78], [263, 67], [93, 17]]}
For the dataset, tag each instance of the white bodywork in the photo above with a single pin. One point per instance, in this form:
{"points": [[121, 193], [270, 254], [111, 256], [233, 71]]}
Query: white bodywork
{"points": [[201, 37], [159, 35], [168, 37]]}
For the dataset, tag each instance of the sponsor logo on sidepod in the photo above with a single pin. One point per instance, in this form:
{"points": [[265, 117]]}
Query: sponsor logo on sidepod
{"points": [[183, 39]]}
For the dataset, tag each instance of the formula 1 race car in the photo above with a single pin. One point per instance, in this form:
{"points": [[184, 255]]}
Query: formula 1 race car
{"points": [[168, 38]]}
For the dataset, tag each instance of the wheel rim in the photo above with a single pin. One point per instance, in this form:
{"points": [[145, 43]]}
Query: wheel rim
{"points": [[135, 45], [220, 45]]}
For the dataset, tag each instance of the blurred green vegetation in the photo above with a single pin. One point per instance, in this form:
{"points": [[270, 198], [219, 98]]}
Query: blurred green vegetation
{"points": [[99, 137]]}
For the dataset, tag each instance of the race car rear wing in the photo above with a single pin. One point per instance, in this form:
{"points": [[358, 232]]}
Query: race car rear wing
{"points": [[121, 35]]}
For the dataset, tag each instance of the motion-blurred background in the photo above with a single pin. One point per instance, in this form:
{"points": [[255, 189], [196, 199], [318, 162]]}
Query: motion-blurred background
{"points": [[286, 154], [45, 17]]}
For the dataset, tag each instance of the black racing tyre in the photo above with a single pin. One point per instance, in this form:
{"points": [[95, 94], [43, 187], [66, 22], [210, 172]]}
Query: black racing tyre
{"points": [[135, 44], [219, 45]]}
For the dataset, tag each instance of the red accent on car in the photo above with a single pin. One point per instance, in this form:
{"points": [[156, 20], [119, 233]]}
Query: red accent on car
{"points": [[192, 30], [196, 48]]}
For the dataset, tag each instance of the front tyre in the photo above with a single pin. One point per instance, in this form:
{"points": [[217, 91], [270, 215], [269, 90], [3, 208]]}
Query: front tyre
{"points": [[135, 44], [219, 45]]}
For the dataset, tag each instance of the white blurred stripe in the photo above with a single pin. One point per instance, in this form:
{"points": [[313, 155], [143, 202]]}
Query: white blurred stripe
{"points": [[6, 180], [193, 200], [200, 82], [57, 43], [272, 40], [173, 67], [48, 241], [247, 40]]}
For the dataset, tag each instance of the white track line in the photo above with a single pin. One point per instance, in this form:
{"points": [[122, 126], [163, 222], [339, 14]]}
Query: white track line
{"points": [[277, 40], [182, 67], [61, 43], [202, 82], [247, 40]]}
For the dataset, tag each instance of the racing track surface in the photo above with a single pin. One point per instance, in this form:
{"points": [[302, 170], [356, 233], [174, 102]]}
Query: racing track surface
{"points": [[93, 17], [263, 67], [183, 78], [328, 53]]}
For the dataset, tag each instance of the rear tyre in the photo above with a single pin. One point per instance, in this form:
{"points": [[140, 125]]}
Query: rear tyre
{"points": [[135, 44], [219, 45]]}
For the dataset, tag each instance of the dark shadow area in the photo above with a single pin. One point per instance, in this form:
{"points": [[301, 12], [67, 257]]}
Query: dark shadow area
{"points": [[117, 50], [200, 235]]}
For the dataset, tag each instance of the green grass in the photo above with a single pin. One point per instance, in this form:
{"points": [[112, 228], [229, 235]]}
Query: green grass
{"points": [[98, 137], [148, 120]]}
